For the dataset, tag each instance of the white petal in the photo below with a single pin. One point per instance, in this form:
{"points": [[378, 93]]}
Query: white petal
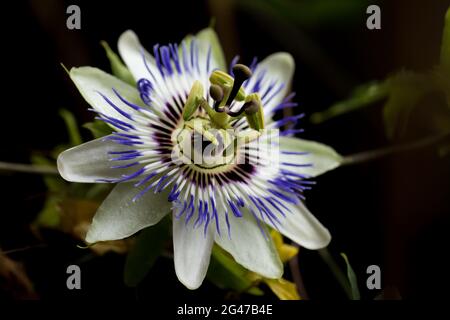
{"points": [[90, 162], [192, 251], [90, 81], [278, 67], [119, 217], [322, 157], [132, 53], [301, 226], [208, 38], [249, 247], [164, 88]]}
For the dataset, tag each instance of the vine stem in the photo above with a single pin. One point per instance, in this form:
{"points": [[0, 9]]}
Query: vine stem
{"points": [[41, 245], [366, 156], [27, 168]]}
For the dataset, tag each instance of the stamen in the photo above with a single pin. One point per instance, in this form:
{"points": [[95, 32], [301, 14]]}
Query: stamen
{"points": [[193, 101], [241, 73], [254, 111], [225, 81], [205, 106], [250, 107]]}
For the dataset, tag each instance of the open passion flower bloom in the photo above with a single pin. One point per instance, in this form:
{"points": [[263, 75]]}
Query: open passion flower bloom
{"points": [[184, 98]]}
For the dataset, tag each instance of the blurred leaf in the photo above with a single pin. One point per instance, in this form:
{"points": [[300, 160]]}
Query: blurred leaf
{"points": [[363, 96], [444, 150], [405, 90], [72, 127], [117, 67], [445, 46], [73, 216], [54, 183], [14, 280], [402, 91], [49, 216], [283, 289], [98, 191], [352, 279], [147, 248], [442, 78], [75, 211], [286, 251], [311, 13], [226, 273], [98, 128]]}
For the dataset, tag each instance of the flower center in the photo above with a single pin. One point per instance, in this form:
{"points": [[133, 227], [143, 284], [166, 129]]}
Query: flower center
{"points": [[206, 138], [228, 94]]}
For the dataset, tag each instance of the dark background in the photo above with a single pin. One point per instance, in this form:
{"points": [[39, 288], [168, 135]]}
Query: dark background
{"points": [[392, 212]]}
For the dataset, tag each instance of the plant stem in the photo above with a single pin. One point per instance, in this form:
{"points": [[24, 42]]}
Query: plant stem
{"points": [[41, 245], [337, 272], [27, 168], [297, 276], [366, 156]]}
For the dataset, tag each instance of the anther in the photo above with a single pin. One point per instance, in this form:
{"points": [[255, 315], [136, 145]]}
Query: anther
{"points": [[254, 112], [216, 92], [251, 107]]}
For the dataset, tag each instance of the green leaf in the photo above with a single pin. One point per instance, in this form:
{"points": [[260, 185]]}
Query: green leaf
{"points": [[72, 127], [98, 128], [445, 46], [117, 67], [352, 279], [363, 96], [148, 247], [226, 273]]}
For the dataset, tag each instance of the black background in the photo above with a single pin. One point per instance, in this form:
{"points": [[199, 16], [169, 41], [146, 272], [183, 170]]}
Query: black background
{"points": [[391, 212]]}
